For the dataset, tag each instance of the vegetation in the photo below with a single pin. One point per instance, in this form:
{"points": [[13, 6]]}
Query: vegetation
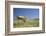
{"points": [[28, 23]]}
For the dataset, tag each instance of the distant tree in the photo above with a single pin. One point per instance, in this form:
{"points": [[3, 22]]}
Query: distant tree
{"points": [[23, 18]]}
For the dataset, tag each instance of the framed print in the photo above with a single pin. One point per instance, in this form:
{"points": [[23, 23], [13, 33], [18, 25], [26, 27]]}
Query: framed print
{"points": [[24, 17]]}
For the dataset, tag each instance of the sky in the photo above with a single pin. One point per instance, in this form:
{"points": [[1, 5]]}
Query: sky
{"points": [[30, 13]]}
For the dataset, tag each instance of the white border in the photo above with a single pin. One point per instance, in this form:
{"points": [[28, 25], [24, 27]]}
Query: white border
{"points": [[29, 28]]}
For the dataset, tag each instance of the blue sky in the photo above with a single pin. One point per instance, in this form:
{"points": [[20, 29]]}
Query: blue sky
{"points": [[30, 13]]}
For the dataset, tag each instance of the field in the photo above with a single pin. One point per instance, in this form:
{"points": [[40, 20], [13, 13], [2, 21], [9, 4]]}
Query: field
{"points": [[28, 23]]}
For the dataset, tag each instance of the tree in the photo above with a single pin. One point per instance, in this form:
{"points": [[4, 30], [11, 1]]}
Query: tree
{"points": [[21, 19]]}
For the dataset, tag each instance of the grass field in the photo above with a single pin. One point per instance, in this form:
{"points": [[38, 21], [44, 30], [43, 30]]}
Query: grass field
{"points": [[28, 23]]}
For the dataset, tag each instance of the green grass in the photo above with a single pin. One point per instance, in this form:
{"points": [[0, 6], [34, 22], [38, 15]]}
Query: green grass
{"points": [[28, 23]]}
